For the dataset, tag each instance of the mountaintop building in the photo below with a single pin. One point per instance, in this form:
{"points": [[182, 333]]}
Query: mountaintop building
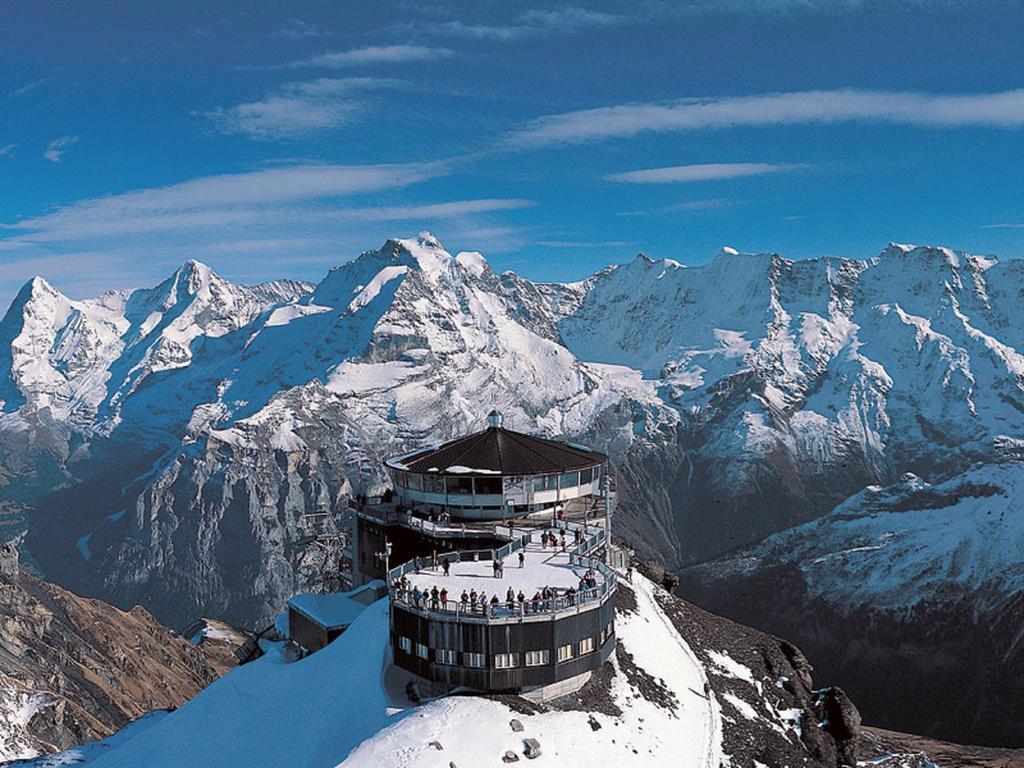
{"points": [[496, 473], [496, 551]]}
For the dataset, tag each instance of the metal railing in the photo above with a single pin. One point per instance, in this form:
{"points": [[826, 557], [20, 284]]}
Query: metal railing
{"points": [[580, 555]]}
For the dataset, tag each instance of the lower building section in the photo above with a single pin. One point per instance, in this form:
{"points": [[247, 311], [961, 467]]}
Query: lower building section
{"points": [[502, 656]]}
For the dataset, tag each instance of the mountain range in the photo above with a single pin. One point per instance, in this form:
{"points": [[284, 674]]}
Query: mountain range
{"points": [[168, 446]]}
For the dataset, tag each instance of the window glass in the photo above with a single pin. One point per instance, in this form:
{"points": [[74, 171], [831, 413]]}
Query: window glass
{"points": [[505, 660], [415, 481], [545, 483], [445, 656], [565, 652], [586, 475], [473, 659], [487, 484], [405, 644], [537, 658], [433, 484], [421, 650], [460, 485], [570, 480], [586, 645]]}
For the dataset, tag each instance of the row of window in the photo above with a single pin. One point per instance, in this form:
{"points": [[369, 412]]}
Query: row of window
{"points": [[504, 660], [492, 485]]}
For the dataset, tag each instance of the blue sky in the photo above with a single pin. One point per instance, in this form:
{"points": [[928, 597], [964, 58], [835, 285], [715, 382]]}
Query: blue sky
{"points": [[279, 141]]}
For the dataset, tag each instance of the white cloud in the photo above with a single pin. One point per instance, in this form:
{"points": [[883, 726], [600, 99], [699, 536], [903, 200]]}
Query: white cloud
{"points": [[373, 54], [1003, 226], [681, 174], [1001, 110], [298, 109], [55, 149], [8, 150], [297, 29], [215, 201], [533, 23], [447, 210], [710, 204]]}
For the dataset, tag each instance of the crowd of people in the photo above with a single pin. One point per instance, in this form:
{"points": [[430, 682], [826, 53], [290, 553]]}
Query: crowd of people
{"points": [[515, 602]]}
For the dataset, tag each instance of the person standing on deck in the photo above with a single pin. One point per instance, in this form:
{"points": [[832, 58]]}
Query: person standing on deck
{"points": [[522, 558], [446, 566]]}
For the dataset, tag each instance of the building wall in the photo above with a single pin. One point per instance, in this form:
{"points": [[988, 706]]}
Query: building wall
{"points": [[491, 639], [307, 632]]}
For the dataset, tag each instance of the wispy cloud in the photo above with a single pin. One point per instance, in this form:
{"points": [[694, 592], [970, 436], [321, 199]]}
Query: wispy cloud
{"points": [[710, 204], [1011, 225], [55, 149], [8, 150], [682, 174], [215, 201], [448, 210], [1000, 110], [373, 54], [298, 109], [29, 87], [532, 23], [297, 29]]}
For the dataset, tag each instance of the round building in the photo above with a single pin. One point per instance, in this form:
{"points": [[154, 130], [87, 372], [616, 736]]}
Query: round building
{"points": [[496, 474]]}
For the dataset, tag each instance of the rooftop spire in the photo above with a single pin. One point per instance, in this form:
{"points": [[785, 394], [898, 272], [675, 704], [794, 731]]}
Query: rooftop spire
{"points": [[495, 419]]}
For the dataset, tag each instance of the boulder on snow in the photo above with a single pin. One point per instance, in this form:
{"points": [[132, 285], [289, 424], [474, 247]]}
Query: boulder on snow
{"points": [[517, 726], [532, 748], [510, 757]]}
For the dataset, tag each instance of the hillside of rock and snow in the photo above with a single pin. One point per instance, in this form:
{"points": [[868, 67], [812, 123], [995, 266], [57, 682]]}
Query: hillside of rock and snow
{"points": [[932, 575], [74, 669], [163, 446], [646, 707]]}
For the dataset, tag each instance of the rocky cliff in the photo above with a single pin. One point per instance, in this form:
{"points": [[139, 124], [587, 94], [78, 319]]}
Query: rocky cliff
{"points": [[74, 669]]}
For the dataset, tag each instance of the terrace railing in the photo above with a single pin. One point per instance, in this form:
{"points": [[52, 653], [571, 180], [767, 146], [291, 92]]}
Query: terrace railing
{"points": [[580, 555]]}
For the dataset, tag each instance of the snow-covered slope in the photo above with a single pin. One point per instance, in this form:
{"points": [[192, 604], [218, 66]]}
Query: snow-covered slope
{"points": [[655, 703], [892, 572]]}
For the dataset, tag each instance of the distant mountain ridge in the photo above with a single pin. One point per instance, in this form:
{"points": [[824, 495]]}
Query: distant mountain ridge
{"points": [[188, 429]]}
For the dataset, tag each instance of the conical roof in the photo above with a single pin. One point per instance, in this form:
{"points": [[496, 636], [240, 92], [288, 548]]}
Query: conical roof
{"points": [[499, 451]]}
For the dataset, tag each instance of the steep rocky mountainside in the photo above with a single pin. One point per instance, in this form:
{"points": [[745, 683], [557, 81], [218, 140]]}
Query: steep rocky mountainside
{"points": [[74, 669], [167, 446], [908, 592]]}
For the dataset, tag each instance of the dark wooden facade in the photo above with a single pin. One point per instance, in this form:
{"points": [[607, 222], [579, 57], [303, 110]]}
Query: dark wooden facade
{"points": [[308, 633], [509, 637]]}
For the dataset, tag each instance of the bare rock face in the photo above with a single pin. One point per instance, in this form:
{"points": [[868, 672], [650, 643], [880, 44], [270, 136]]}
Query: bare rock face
{"points": [[74, 669]]}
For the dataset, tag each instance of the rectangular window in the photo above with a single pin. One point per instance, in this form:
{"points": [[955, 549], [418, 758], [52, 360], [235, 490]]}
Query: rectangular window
{"points": [[422, 651], [545, 483], [565, 652], [460, 485], [586, 476], [537, 658], [570, 480], [414, 481], [405, 644], [444, 656], [473, 659], [604, 636], [433, 484], [506, 660], [586, 645], [487, 485]]}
